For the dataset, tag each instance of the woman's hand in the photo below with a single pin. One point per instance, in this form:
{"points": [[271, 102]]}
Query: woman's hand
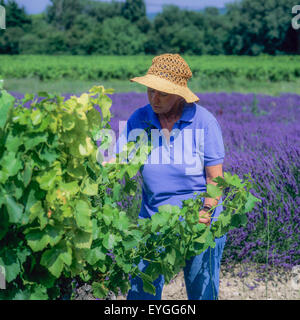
{"points": [[204, 217]]}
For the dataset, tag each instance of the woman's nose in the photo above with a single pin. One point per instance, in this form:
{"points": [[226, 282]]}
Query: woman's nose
{"points": [[155, 97]]}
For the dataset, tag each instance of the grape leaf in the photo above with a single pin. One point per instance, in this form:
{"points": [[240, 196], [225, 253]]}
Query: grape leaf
{"points": [[83, 215], [14, 209], [6, 106]]}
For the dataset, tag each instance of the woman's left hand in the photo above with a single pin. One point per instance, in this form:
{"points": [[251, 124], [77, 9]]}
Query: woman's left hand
{"points": [[204, 217]]}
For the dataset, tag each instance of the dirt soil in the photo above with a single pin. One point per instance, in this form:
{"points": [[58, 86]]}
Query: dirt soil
{"points": [[240, 283]]}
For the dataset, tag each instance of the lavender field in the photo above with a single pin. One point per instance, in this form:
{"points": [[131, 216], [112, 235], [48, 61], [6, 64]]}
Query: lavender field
{"points": [[262, 137]]}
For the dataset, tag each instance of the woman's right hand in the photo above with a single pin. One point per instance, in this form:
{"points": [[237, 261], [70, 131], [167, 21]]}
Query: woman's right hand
{"points": [[204, 217]]}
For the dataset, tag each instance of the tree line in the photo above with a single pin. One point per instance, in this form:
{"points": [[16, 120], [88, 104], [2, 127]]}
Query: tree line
{"points": [[85, 27]]}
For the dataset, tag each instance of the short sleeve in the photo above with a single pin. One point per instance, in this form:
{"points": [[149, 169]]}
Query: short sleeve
{"points": [[214, 152]]}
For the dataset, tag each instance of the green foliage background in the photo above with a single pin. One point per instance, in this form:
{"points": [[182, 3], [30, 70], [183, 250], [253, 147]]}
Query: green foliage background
{"points": [[248, 27], [262, 68]]}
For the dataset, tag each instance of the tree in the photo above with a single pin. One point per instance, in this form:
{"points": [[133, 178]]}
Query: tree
{"points": [[166, 26], [43, 39], [133, 10], [215, 31], [258, 26], [183, 31], [188, 40], [103, 10], [17, 23], [15, 16], [79, 39], [62, 13], [143, 24], [291, 43], [118, 36]]}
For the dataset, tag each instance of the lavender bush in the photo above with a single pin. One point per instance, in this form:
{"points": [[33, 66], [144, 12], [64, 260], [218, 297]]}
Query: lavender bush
{"points": [[262, 137]]}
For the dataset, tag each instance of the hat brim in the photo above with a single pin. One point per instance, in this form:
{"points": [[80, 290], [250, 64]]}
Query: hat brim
{"points": [[164, 85]]}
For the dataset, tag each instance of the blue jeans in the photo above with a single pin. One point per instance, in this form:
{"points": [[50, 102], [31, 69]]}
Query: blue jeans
{"points": [[201, 275]]}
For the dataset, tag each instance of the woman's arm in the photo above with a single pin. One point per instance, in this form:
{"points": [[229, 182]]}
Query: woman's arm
{"points": [[211, 173]]}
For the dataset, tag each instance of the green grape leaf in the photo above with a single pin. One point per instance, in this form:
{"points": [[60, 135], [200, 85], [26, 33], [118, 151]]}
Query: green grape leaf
{"points": [[22, 295], [48, 155], [68, 122], [171, 256], [107, 214], [94, 118], [10, 262], [238, 220], [39, 293], [205, 237], [121, 221], [99, 291], [225, 219], [213, 191], [82, 240], [27, 173], [6, 106], [69, 188], [36, 117], [83, 216], [48, 180], [90, 188], [86, 147], [105, 104], [232, 180], [38, 240], [129, 243], [13, 142], [43, 94], [147, 283], [14, 209], [37, 211], [27, 97], [109, 241], [11, 164], [95, 255], [35, 139], [251, 201], [55, 258]]}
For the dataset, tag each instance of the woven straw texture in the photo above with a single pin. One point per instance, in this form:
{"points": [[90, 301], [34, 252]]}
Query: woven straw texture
{"points": [[171, 67]]}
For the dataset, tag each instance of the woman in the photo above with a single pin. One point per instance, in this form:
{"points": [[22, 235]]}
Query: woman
{"points": [[172, 113]]}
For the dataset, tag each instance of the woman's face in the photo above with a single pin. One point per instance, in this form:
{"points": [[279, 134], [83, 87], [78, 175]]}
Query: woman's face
{"points": [[161, 102]]}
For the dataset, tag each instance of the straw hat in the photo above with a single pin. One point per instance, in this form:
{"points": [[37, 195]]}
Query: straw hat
{"points": [[169, 73]]}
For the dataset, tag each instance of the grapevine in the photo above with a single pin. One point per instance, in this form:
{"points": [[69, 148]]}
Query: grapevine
{"points": [[60, 209]]}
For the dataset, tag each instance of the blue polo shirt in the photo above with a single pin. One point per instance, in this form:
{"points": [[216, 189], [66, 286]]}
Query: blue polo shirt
{"points": [[175, 168]]}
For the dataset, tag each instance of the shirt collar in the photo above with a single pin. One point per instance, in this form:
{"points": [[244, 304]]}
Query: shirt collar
{"points": [[188, 114]]}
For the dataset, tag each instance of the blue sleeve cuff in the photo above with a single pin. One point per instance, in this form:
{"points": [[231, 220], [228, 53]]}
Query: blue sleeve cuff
{"points": [[213, 162]]}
